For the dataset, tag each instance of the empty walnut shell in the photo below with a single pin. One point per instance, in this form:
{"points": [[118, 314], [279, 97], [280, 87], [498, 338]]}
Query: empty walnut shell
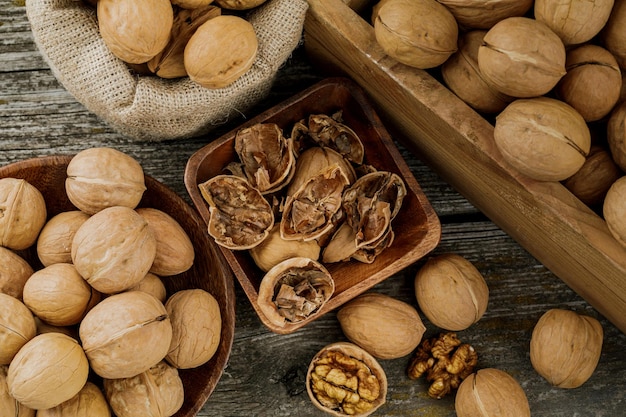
{"points": [[135, 30], [543, 138], [371, 203], [480, 14], [196, 327], [267, 157], [418, 33], [54, 244], [120, 326], [50, 369], [309, 212], [157, 392], [574, 21], [23, 213], [220, 51], [614, 210], [343, 379], [451, 292], [294, 290], [565, 347], [114, 249], [14, 271], [103, 177], [240, 218], [521, 57], [593, 81], [328, 131], [17, 327], [491, 392], [462, 76]]}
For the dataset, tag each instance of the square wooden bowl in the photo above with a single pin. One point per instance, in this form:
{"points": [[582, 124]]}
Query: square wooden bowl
{"points": [[209, 271], [559, 230], [417, 228]]}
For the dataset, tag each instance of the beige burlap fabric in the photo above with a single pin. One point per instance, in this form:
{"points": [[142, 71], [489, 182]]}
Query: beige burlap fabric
{"points": [[148, 107]]}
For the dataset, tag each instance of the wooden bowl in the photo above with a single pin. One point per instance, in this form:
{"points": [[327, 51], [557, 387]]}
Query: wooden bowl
{"points": [[209, 272], [417, 227]]}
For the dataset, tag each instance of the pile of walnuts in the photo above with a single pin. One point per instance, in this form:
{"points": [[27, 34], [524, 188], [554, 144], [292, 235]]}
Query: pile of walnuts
{"points": [[207, 40], [550, 74], [96, 308]]}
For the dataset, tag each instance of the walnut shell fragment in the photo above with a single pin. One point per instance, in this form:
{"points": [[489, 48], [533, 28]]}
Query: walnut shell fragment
{"points": [[274, 249], [309, 212], [240, 218], [343, 379], [371, 203], [294, 290], [331, 132], [267, 157]]}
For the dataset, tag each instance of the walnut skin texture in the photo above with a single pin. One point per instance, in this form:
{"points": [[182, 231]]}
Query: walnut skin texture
{"points": [[344, 379], [445, 362]]}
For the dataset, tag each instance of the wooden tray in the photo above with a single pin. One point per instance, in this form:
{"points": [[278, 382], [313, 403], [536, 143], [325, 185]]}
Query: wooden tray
{"points": [[209, 271], [457, 143], [417, 226]]}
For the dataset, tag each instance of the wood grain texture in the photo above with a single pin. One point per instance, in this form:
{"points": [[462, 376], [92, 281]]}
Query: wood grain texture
{"points": [[265, 372]]}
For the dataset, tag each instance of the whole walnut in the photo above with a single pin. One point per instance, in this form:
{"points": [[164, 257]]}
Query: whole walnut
{"points": [[220, 51], [8, 405], [614, 210], [48, 370], [616, 135], [592, 181], [89, 402], [23, 213], [59, 295], [491, 392], [480, 14], [521, 57], [14, 271], [152, 284], [126, 334], [418, 33], [174, 251], [613, 36], [462, 76], [543, 138], [54, 244], [575, 21], [17, 327], [102, 177], [451, 292], [387, 328], [239, 4], [135, 30], [156, 392], [565, 347], [196, 327], [593, 81], [114, 249]]}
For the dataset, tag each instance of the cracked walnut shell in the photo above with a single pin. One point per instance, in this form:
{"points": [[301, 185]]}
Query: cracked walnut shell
{"points": [[294, 290], [343, 379], [565, 347]]}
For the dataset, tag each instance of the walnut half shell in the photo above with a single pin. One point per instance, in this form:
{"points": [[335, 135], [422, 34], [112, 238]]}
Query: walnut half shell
{"points": [[294, 290]]}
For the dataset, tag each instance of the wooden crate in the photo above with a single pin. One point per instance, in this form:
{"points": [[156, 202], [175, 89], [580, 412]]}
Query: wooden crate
{"points": [[457, 143]]}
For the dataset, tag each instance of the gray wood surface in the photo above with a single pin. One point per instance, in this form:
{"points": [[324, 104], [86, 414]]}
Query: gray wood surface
{"points": [[265, 373]]}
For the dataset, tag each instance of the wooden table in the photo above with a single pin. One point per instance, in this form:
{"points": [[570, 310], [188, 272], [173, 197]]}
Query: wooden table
{"points": [[265, 373]]}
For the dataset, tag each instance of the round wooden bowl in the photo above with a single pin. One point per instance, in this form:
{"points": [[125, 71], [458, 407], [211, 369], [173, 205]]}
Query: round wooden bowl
{"points": [[209, 272]]}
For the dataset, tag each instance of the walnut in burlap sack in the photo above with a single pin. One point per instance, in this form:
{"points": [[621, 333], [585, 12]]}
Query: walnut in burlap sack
{"points": [[149, 107]]}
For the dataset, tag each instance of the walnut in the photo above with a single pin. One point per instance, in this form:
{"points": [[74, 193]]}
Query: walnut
{"points": [[331, 132], [22, 213], [445, 361], [344, 379]]}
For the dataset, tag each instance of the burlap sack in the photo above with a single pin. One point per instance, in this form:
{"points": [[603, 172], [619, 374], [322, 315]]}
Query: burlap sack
{"points": [[148, 107]]}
